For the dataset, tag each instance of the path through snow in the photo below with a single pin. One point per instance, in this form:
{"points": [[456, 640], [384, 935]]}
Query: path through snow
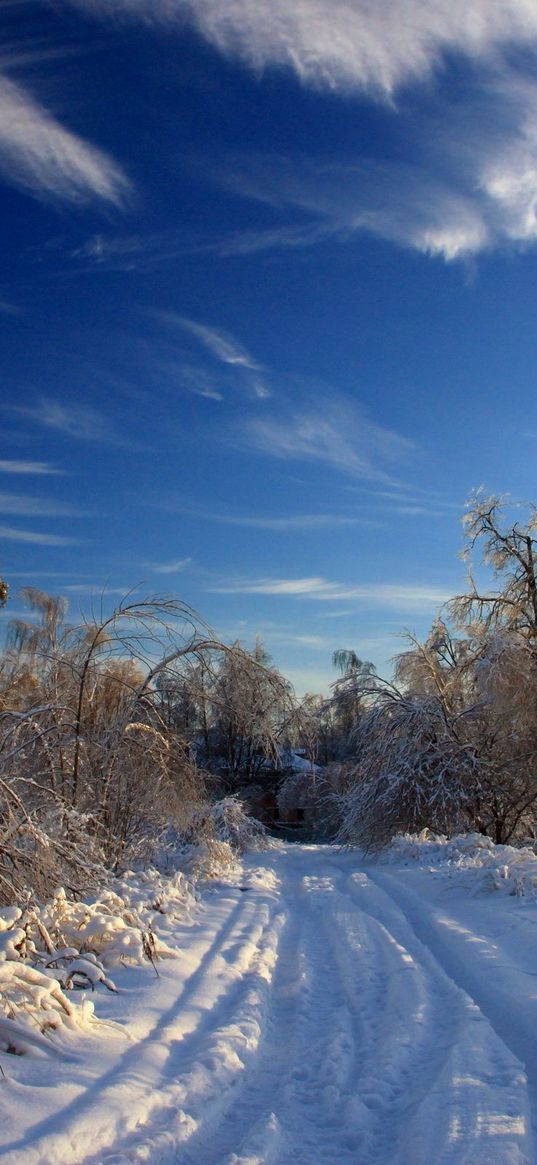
{"points": [[320, 1014]]}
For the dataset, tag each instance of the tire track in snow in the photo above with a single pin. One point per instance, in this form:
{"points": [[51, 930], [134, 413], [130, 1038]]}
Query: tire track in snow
{"points": [[353, 1027], [285, 1107], [317, 1029], [367, 1051], [200, 1075], [406, 1040], [471, 1104], [509, 1019], [402, 1041]]}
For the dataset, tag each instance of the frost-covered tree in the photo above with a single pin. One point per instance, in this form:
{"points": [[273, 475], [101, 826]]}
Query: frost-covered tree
{"points": [[415, 768], [89, 768], [234, 707], [442, 666], [510, 552]]}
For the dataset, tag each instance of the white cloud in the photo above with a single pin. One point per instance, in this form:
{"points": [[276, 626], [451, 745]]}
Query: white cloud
{"points": [[169, 567], [95, 589], [9, 534], [473, 181], [411, 598], [251, 242], [28, 507], [37, 153], [78, 421], [291, 522], [119, 252], [195, 380], [344, 44], [409, 204], [224, 348], [220, 344], [30, 467], [334, 431]]}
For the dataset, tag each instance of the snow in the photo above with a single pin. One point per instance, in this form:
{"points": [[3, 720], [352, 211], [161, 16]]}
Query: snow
{"points": [[321, 1008]]}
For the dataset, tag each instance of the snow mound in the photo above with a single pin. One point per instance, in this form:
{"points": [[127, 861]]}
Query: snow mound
{"points": [[510, 869]]}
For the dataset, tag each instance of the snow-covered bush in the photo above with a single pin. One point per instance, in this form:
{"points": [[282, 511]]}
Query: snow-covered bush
{"points": [[210, 859], [109, 928], [232, 824], [49, 954], [484, 866], [34, 1007], [217, 836]]}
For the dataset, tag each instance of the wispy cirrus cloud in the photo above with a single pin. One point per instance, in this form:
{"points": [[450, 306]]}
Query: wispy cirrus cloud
{"points": [[219, 343], [174, 567], [409, 204], [289, 522], [397, 597], [32, 507], [193, 379], [119, 252], [226, 349], [253, 242], [334, 431], [35, 538], [472, 183], [94, 589], [40, 155], [9, 309], [78, 421], [344, 44], [281, 522], [127, 252], [39, 468]]}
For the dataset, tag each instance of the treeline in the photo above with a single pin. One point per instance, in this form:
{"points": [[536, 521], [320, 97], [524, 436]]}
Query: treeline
{"points": [[121, 729]]}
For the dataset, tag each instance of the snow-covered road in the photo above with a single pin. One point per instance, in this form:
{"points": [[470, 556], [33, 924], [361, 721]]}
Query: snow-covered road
{"points": [[321, 1012]]}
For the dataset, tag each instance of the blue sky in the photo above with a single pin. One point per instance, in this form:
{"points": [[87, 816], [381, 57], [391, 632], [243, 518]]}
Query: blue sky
{"points": [[268, 303]]}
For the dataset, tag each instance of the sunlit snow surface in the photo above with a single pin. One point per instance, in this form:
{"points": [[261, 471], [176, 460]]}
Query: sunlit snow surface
{"points": [[324, 1009]]}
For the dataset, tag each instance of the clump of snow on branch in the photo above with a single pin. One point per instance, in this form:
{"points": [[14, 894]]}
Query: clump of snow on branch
{"points": [[34, 1007]]}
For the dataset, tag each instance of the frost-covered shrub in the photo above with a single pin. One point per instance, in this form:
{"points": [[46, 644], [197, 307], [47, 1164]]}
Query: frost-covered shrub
{"points": [[34, 980], [34, 1006], [91, 767], [210, 859], [216, 836], [110, 927], [484, 866], [50, 953], [233, 825], [227, 821]]}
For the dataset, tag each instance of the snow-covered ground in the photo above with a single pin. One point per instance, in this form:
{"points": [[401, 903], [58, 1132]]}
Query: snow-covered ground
{"points": [[322, 1009]]}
